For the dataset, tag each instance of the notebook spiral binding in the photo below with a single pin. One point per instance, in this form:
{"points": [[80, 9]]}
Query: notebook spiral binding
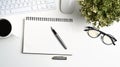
{"points": [[49, 19]]}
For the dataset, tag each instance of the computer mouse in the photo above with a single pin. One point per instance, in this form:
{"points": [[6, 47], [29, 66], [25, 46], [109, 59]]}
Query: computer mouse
{"points": [[5, 28], [67, 6]]}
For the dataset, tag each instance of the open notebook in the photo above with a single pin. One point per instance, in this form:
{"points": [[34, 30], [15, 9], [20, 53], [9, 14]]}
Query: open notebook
{"points": [[39, 39]]}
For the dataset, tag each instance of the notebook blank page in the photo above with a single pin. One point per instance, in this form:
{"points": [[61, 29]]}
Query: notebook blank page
{"points": [[38, 37]]}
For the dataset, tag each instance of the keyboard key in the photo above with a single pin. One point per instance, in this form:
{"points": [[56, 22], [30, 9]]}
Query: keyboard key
{"points": [[26, 0], [38, 2], [16, 5], [9, 2], [13, 1], [7, 11], [2, 12], [42, 1], [42, 7], [4, 3], [34, 7], [50, 6], [12, 6], [29, 4], [7, 6], [22, 1], [2, 7], [34, 3], [50, 1], [20, 5], [24, 4], [17, 1], [0, 3]]}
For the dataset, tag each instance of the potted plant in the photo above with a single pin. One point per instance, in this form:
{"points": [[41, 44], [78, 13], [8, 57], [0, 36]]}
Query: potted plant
{"points": [[100, 13]]}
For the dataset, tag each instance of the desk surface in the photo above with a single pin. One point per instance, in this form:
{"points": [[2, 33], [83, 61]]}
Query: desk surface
{"points": [[87, 52]]}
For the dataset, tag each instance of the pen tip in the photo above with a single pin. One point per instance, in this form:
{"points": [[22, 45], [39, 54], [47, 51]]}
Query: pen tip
{"points": [[51, 27]]}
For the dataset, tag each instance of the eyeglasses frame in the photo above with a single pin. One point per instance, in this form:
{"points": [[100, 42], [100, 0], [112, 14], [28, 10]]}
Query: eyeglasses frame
{"points": [[113, 39]]}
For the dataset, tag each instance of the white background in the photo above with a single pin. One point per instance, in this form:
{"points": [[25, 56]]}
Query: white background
{"points": [[87, 52]]}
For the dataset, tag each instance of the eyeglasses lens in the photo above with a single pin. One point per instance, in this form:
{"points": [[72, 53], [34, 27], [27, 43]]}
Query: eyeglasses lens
{"points": [[107, 40], [93, 33]]}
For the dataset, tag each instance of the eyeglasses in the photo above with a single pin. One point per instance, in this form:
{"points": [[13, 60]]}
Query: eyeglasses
{"points": [[106, 38]]}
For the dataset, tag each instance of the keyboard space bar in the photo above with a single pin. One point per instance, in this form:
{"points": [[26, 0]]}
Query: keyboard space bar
{"points": [[23, 9]]}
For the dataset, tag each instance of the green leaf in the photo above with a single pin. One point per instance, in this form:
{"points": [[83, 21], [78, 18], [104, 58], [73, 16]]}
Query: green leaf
{"points": [[103, 11]]}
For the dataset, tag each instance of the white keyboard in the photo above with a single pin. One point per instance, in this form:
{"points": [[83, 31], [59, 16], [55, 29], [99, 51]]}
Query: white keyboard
{"points": [[19, 6]]}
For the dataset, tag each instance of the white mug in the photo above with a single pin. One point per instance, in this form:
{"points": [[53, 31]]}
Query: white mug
{"points": [[5, 28]]}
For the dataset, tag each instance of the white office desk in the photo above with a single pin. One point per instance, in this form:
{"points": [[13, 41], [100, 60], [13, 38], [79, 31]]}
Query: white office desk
{"points": [[87, 52]]}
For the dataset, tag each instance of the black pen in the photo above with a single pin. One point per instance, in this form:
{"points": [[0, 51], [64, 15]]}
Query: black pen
{"points": [[58, 37]]}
